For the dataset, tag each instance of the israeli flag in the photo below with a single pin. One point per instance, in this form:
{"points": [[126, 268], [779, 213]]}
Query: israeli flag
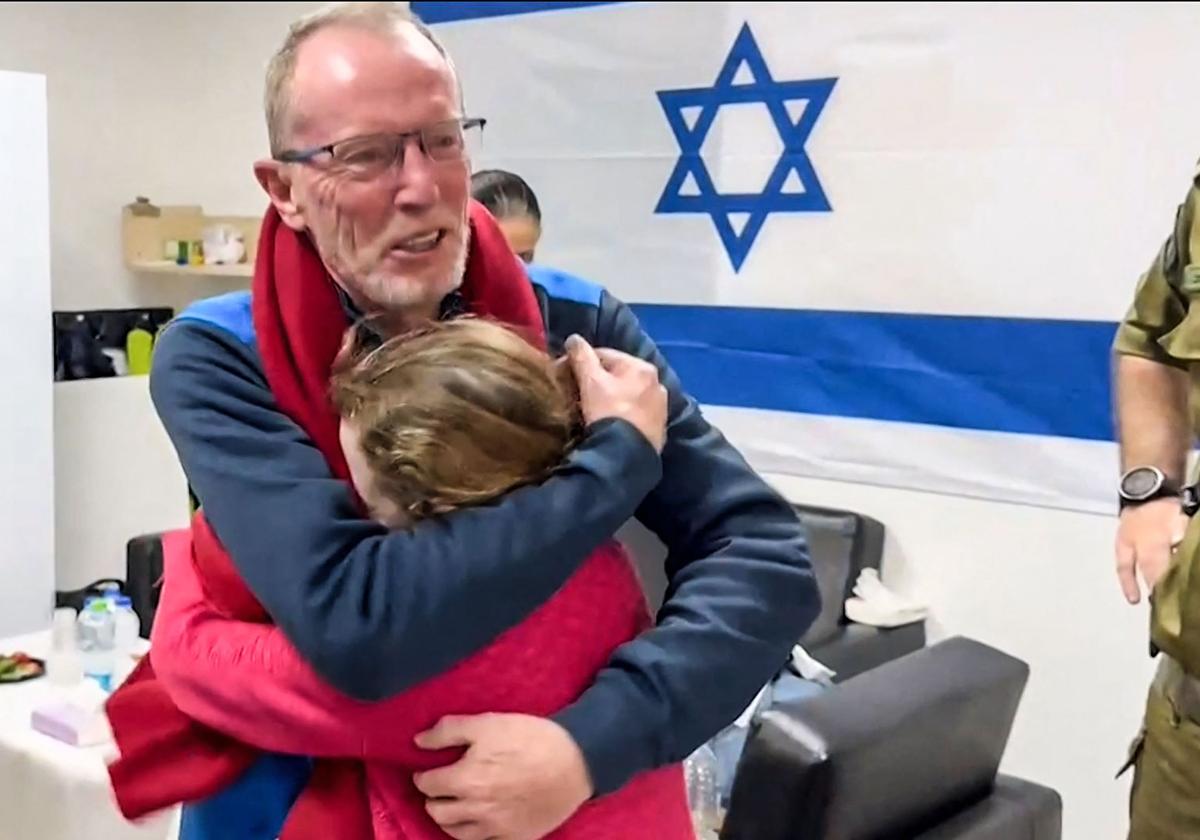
{"points": [[881, 243]]}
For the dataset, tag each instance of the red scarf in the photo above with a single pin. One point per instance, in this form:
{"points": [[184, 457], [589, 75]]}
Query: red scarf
{"points": [[167, 758]]}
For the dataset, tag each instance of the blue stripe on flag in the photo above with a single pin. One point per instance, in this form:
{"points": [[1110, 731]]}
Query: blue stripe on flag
{"points": [[1022, 375], [445, 12]]}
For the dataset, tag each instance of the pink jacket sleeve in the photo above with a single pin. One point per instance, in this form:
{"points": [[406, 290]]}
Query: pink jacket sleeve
{"points": [[247, 681]]}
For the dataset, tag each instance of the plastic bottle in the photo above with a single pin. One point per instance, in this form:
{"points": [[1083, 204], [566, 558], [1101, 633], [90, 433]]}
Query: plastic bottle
{"points": [[127, 630], [64, 666], [109, 591], [96, 638], [703, 792], [139, 346]]}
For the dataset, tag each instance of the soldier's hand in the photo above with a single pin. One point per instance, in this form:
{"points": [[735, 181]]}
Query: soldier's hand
{"points": [[615, 384], [1146, 537]]}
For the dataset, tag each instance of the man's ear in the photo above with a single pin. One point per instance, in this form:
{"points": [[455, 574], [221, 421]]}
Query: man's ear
{"points": [[276, 181]]}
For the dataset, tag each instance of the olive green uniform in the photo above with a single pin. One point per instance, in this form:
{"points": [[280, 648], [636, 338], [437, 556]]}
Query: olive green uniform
{"points": [[1163, 324]]}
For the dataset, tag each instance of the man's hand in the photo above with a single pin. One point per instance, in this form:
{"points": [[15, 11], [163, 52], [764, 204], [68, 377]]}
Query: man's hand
{"points": [[615, 384], [520, 778], [1146, 537]]}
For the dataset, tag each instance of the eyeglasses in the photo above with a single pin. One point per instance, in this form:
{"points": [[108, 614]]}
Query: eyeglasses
{"points": [[372, 155]]}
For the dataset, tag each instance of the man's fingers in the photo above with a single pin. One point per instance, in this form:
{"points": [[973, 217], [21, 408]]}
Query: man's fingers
{"points": [[442, 783], [1126, 574], [450, 731], [583, 358], [454, 812], [620, 364], [616, 362]]}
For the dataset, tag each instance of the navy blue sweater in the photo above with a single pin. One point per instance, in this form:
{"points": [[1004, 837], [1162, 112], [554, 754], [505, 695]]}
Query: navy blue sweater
{"points": [[376, 612]]}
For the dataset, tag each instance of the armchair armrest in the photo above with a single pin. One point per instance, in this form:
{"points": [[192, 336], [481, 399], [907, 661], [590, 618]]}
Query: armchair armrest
{"points": [[888, 754], [1015, 808]]}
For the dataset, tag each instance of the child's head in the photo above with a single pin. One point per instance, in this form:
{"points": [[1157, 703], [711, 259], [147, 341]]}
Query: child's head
{"points": [[452, 415]]}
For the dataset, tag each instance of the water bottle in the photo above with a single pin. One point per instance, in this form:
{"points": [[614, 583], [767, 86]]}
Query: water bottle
{"points": [[109, 591], [96, 639], [703, 792], [128, 626], [127, 629], [126, 633]]}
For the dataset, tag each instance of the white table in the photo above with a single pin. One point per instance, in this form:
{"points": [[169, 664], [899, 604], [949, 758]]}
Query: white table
{"points": [[50, 790]]}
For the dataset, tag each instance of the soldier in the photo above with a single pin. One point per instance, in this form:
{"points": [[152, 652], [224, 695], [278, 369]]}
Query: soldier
{"points": [[1157, 369]]}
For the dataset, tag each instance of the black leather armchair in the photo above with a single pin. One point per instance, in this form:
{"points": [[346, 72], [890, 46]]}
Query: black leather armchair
{"points": [[143, 577], [841, 544], [907, 751]]}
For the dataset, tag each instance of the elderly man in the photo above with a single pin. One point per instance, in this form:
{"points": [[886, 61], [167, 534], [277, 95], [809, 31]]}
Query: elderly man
{"points": [[369, 161]]}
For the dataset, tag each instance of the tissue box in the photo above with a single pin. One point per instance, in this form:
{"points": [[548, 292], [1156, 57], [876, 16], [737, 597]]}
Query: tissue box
{"points": [[72, 723]]}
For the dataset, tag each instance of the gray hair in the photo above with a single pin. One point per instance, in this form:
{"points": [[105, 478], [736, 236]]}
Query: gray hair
{"points": [[384, 18]]}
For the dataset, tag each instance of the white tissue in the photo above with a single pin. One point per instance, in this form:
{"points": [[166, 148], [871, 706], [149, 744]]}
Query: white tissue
{"points": [[810, 668], [878, 606]]}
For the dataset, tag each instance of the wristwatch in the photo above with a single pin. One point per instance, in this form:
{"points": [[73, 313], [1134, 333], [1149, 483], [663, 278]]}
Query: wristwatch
{"points": [[1144, 484]]}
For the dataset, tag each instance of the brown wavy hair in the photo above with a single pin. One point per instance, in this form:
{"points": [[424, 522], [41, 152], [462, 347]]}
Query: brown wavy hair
{"points": [[456, 413]]}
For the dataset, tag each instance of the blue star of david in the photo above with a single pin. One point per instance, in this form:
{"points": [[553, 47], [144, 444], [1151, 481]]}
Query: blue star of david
{"points": [[703, 196]]}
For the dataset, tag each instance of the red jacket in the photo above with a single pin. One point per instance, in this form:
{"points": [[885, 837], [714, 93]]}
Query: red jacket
{"points": [[246, 680]]}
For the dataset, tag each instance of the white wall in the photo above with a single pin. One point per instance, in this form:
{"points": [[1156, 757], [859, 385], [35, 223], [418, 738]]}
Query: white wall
{"points": [[157, 99], [26, 456], [1038, 584], [115, 476]]}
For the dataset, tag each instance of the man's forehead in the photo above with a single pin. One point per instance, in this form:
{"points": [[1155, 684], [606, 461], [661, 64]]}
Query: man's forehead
{"points": [[338, 60], [350, 80]]}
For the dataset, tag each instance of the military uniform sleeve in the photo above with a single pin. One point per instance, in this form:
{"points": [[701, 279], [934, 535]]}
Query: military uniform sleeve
{"points": [[1160, 303]]}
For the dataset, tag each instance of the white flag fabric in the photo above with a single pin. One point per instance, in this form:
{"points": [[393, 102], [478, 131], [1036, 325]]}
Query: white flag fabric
{"points": [[883, 243]]}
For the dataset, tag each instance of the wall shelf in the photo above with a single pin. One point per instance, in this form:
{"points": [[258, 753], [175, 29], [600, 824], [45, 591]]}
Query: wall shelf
{"points": [[165, 268], [144, 237]]}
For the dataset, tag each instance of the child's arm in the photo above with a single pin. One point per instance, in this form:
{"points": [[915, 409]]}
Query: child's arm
{"points": [[247, 681]]}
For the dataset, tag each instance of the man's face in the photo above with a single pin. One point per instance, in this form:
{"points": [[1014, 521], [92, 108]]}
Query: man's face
{"points": [[396, 242]]}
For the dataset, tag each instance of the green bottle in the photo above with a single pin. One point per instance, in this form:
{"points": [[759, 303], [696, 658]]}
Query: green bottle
{"points": [[139, 347]]}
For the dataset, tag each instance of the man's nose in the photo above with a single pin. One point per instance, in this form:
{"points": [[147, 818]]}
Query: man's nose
{"points": [[416, 186]]}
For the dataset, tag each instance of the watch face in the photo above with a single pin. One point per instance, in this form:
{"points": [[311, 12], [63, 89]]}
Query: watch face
{"points": [[1141, 482]]}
